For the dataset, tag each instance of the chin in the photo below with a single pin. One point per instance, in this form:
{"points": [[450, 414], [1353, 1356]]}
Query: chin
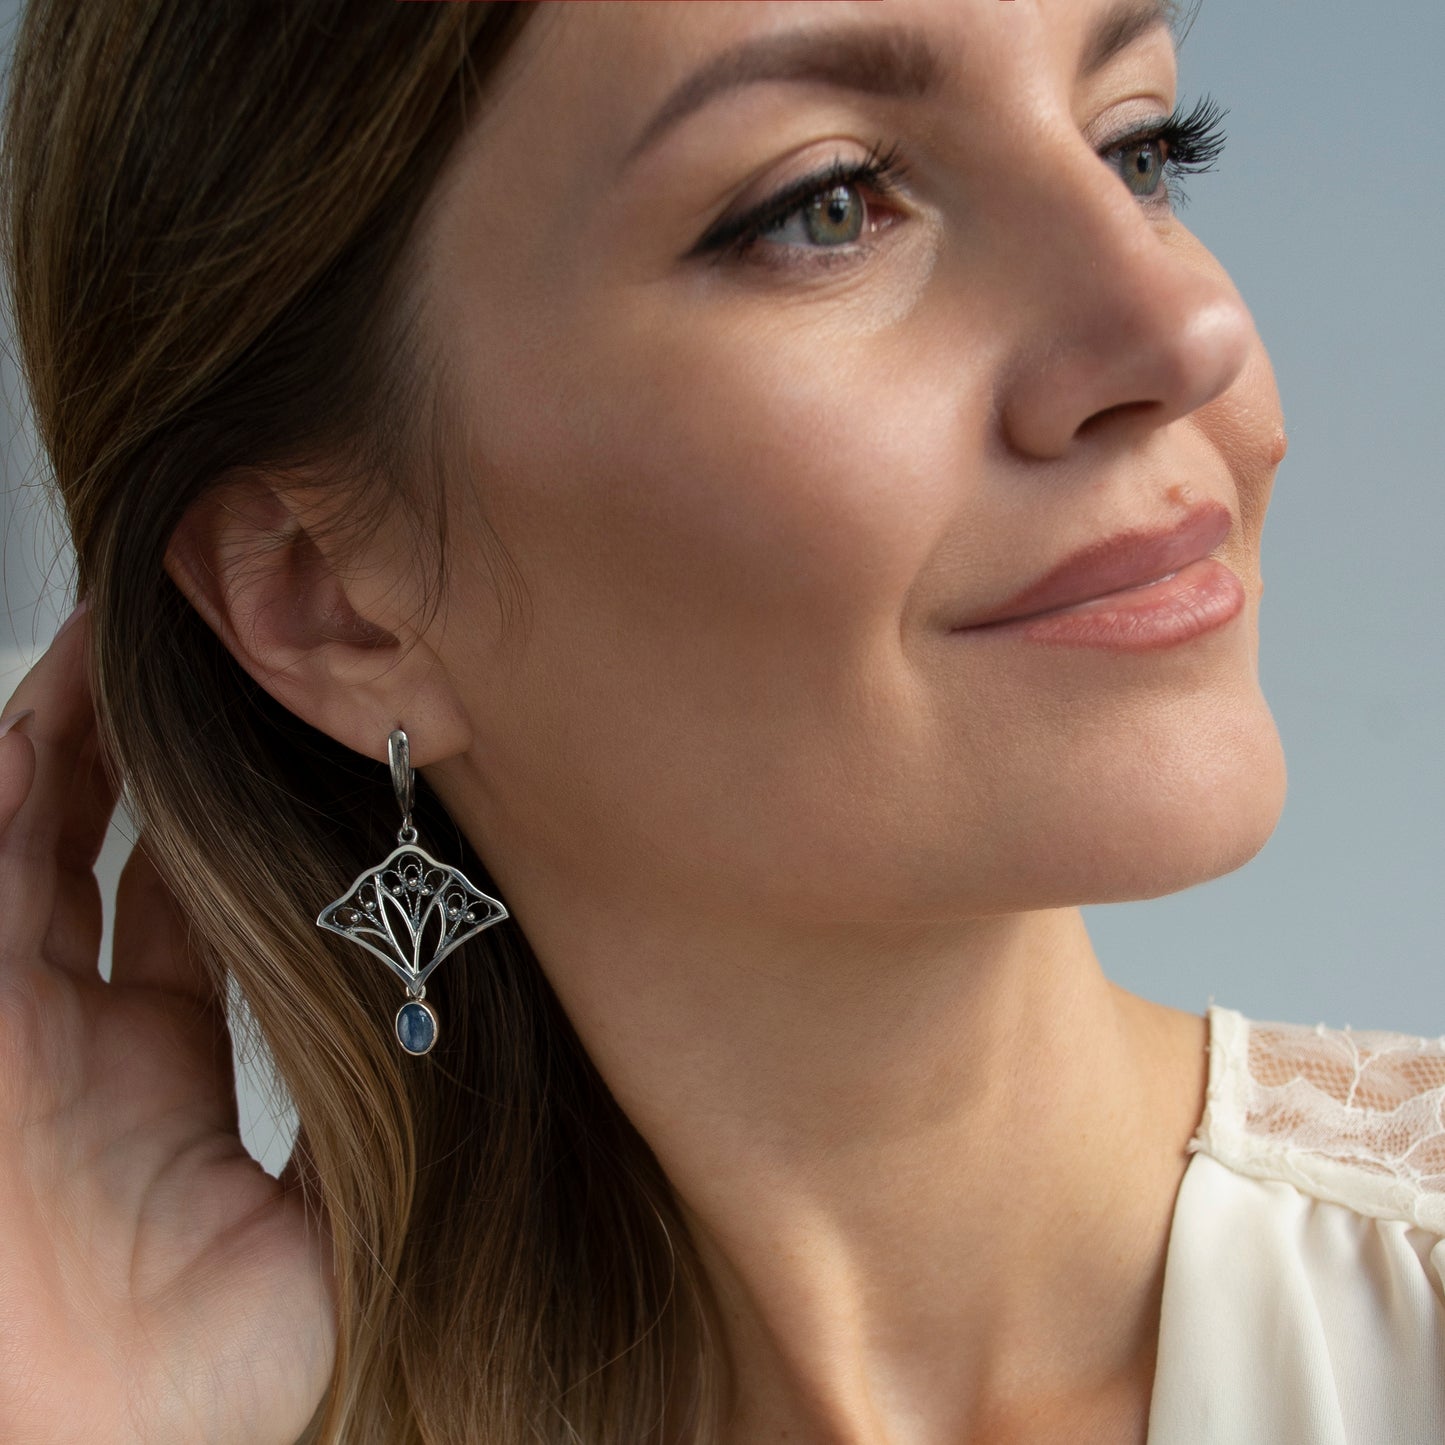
{"points": [[1213, 822]]}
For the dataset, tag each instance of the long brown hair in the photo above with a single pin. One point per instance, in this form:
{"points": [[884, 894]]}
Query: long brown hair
{"points": [[207, 215]]}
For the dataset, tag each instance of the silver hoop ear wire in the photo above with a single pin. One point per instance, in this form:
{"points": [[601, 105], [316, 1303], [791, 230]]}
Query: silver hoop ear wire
{"points": [[403, 782], [389, 909]]}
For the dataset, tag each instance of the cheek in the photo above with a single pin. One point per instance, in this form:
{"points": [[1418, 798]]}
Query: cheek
{"points": [[718, 528], [758, 481], [1245, 426]]}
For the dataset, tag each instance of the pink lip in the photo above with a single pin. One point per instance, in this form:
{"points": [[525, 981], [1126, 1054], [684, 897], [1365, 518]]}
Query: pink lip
{"points": [[1129, 559]]}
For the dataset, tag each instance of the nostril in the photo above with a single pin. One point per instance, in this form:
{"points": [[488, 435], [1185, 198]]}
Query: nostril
{"points": [[1123, 408]]}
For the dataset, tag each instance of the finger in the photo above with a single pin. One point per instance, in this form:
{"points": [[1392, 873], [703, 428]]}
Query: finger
{"points": [[85, 822], [17, 770], [49, 916], [53, 906], [63, 800], [151, 942], [56, 825], [24, 695], [151, 949]]}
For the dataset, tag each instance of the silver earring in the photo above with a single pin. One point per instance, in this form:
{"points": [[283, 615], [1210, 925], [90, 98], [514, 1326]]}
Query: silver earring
{"points": [[397, 902]]}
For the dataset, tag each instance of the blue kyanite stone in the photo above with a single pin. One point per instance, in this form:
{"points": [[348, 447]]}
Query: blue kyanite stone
{"points": [[416, 1027]]}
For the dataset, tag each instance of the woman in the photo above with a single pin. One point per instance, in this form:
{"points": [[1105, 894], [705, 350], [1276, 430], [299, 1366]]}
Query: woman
{"points": [[665, 417]]}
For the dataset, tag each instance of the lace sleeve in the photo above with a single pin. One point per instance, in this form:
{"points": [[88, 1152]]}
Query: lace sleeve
{"points": [[1356, 1117]]}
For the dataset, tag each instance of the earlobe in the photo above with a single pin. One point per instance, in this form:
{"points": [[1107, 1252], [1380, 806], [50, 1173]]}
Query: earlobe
{"points": [[314, 636]]}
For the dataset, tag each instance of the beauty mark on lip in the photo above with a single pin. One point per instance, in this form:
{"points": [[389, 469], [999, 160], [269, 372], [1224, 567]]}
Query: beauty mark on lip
{"points": [[1128, 559]]}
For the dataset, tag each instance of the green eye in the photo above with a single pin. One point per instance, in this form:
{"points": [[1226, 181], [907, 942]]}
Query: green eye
{"points": [[1142, 166], [827, 211], [835, 217]]}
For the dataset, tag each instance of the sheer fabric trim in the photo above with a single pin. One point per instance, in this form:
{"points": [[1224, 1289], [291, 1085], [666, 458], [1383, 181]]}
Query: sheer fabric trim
{"points": [[1351, 1116]]}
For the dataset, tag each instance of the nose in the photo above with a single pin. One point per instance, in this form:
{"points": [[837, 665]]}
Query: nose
{"points": [[1123, 321]]}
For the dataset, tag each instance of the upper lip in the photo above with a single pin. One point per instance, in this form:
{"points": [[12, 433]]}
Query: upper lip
{"points": [[1127, 559]]}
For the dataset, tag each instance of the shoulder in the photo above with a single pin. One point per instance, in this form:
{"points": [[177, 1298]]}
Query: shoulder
{"points": [[1351, 1116], [1304, 1291]]}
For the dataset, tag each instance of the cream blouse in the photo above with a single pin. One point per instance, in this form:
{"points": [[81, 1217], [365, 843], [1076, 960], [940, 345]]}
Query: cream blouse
{"points": [[1304, 1284]]}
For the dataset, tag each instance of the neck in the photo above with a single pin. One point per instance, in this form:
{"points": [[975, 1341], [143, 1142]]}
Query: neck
{"points": [[930, 1175]]}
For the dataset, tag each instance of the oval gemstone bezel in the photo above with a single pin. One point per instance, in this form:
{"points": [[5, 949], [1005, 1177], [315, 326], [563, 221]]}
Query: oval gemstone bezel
{"points": [[404, 1029]]}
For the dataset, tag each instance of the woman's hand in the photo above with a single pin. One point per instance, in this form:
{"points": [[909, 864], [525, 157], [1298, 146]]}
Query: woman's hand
{"points": [[156, 1284]]}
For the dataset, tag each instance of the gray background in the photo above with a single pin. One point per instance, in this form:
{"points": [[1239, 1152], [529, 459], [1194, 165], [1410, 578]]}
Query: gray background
{"points": [[1327, 211]]}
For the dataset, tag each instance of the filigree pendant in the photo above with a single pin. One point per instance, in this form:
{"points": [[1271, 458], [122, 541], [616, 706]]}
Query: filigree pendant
{"points": [[410, 911]]}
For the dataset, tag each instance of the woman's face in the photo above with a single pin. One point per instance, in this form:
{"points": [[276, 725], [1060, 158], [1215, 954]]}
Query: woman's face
{"points": [[754, 491]]}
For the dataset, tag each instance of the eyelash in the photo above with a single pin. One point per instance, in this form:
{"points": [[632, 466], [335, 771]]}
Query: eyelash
{"points": [[1192, 143]]}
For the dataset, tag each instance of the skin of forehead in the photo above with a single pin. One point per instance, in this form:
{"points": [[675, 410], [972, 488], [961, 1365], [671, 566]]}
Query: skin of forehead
{"points": [[612, 62]]}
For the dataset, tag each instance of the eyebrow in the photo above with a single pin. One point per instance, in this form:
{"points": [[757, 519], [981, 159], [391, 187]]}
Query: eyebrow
{"points": [[891, 60]]}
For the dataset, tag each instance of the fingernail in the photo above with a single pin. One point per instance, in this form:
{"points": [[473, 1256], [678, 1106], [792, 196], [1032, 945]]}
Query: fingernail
{"points": [[7, 723], [74, 616]]}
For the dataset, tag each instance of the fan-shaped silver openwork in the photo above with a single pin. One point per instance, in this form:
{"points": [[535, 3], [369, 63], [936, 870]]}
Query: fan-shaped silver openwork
{"points": [[411, 911]]}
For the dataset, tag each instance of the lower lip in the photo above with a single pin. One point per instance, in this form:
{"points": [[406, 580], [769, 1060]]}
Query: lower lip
{"points": [[1196, 599]]}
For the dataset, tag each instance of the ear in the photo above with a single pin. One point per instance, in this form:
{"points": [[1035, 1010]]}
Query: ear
{"points": [[331, 640]]}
